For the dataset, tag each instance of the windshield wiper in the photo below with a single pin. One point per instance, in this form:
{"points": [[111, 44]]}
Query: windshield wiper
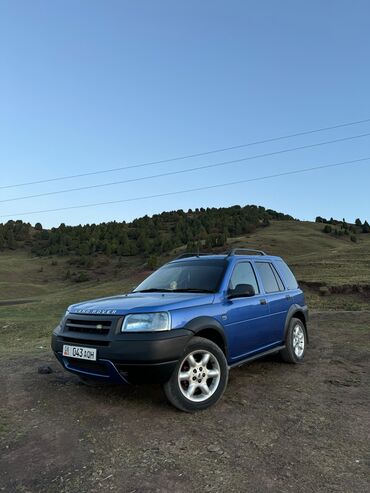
{"points": [[154, 290], [193, 290], [183, 290]]}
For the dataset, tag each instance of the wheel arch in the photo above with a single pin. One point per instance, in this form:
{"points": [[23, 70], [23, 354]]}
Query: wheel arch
{"points": [[296, 311], [211, 329]]}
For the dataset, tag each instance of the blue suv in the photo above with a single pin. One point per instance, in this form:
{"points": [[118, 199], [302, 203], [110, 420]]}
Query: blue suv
{"points": [[187, 324]]}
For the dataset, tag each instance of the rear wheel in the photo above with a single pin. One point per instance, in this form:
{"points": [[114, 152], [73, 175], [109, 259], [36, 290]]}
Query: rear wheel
{"points": [[295, 342], [200, 377]]}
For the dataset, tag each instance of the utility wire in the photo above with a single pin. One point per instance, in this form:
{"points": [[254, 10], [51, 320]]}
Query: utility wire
{"points": [[188, 170], [209, 187], [187, 156]]}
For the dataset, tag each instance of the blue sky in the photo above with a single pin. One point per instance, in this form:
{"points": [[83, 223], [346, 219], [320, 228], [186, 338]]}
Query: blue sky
{"points": [[92, 85]]}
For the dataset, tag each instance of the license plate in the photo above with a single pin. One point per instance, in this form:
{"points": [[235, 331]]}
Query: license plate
{"points": [[79, 352]]}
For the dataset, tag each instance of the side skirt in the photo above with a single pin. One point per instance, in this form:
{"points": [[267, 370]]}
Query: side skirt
{"points": [[256, 356]]}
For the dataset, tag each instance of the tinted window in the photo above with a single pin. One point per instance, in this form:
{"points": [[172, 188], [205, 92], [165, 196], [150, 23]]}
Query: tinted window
{"points": [[192, 275], [243, 274], [268, 277], [290, 280], [278, 278]]}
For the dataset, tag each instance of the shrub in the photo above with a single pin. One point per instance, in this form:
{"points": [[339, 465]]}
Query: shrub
{"points": [[324, 291], [81, 277]]}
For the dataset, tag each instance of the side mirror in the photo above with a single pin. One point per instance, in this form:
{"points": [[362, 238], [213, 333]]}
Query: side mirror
{"points": [[241, 291]]}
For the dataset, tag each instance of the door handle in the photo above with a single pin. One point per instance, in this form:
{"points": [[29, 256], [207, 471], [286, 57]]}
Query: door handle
{"points": [[263, 301], [288, 297]]}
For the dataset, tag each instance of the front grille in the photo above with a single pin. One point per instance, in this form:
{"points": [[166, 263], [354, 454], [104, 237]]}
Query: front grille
{"points": [[88, 326], [85, 342], [89, 366]]}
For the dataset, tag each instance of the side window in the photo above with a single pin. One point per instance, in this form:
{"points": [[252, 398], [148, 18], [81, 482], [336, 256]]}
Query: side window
{"points": [[243, 274], [268, 277], [288, 276], [278, 278]]}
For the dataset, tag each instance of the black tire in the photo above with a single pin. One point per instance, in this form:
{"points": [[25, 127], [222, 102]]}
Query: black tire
{"points": [[174, 390], [290, 353]]}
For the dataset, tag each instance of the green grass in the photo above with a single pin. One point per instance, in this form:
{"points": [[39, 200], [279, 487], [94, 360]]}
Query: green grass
{"points": [[313, 255]]}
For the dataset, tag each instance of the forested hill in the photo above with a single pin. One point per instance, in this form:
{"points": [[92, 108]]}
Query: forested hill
{"points": [[199, 228]]}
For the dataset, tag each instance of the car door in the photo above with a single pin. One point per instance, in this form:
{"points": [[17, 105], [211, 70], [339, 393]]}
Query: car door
{"points": [[247, 318], [277, 300]]}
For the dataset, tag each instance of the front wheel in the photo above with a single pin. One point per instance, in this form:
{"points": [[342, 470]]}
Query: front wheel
{"points": [[200, 377]]}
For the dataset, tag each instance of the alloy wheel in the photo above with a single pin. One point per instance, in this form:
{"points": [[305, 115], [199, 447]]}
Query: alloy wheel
{"points": [[199, 375], [298, 341]]}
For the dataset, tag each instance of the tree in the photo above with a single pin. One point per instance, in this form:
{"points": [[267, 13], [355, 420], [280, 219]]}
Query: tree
{"points": [[11, 243], [83, 249], [152, 262], [191, 247], [358, 222], [366, 227], [142, 243], [147, 236], [327, 229], [107, 249]]}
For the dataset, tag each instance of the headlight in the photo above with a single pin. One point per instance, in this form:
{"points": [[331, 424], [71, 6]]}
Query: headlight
{"points": [[140, 322], [64, 316]]}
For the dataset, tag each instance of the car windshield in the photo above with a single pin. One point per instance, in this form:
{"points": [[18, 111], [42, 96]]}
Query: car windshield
{"points": [[197, 276]]}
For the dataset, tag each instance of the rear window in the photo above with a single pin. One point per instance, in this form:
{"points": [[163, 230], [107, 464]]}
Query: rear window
{"points": [[287, 274]]}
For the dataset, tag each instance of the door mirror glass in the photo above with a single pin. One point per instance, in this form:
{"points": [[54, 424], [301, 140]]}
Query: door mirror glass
{"points": [[241, 291]]}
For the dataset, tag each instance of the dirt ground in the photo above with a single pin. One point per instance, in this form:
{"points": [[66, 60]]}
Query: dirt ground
{"points": [[279, 427]]}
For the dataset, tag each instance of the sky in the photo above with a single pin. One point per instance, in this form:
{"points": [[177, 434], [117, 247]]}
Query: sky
{"points": [[89, 86]]}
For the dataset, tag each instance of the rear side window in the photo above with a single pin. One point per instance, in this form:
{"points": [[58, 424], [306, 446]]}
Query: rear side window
{"points": [[268, 277], [278, 278], [290, 280]]}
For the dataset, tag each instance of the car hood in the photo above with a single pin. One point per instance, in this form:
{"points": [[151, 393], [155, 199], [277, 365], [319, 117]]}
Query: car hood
{"points": [[141, 302]]}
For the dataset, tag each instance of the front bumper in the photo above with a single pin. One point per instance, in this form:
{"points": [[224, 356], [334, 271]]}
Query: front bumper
{"points": [[125, 358]]}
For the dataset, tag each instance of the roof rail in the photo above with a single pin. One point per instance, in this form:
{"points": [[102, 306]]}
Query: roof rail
{"points": [[235, 251], [186, 255]]}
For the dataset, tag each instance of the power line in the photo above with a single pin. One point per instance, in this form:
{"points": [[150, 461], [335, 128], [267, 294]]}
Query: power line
{"points": [[187, 156], [209, 187], [188, 170]]}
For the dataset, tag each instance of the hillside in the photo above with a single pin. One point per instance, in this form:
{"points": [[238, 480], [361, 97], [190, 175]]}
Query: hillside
{"points": [[333, 271]]}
